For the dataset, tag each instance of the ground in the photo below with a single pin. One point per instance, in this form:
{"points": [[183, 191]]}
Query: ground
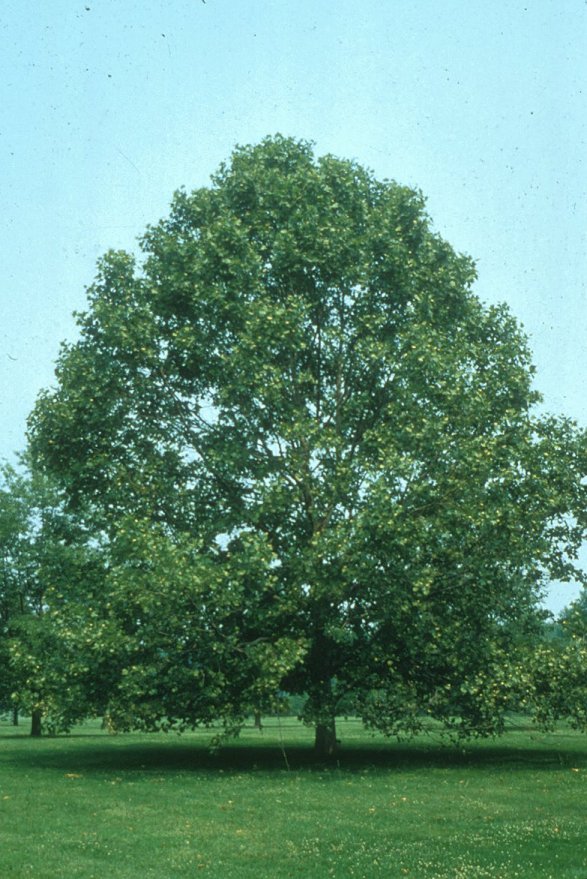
{"points": [[146, 806]]}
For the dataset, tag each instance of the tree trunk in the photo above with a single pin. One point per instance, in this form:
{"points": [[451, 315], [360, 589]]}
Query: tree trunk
{"points": [[258, 721], [325, 742], [15, 716], [36, 723]]}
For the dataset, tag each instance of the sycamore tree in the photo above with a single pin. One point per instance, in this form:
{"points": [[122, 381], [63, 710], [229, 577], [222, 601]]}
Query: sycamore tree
{"points": [[314, 456]]}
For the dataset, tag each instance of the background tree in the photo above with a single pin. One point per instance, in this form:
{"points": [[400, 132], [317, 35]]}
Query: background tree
{"points": [[12, 588], [557, 669], [314, 455], [45, 664]]}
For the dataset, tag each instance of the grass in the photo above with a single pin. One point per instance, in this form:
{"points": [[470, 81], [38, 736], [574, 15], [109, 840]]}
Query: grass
{"points": [[140, 806]]}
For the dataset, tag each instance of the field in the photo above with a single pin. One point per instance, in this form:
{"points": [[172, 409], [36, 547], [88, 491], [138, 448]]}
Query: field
{"points": [[91, 805]]}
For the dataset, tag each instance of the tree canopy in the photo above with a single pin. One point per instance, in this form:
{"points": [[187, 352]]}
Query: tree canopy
{"points": [[314, 458]]}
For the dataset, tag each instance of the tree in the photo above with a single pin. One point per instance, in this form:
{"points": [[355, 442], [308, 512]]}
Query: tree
{"points": [[557, 669], [315, 456], [574, 617], [12, 604], [21, 594], [46, 562]]}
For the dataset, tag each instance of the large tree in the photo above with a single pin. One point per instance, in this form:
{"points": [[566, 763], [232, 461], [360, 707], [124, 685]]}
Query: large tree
{"points": [[315, 457]]}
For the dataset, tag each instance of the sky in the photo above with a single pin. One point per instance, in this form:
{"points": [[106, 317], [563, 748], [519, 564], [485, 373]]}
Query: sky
{"points": [[108, 107]]}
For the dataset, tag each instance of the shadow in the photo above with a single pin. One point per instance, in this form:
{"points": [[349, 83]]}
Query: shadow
{"points": [[120, 757]]}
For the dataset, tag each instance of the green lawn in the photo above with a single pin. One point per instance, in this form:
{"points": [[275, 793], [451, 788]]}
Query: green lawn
{"points": [[139, 806]]}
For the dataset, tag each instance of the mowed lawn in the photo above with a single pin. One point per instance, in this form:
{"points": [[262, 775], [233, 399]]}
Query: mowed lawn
{"points": [[137, 806]]}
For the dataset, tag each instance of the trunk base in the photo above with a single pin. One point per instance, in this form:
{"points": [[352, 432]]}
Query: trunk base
{"points": [[326, 743], [36, 724]]}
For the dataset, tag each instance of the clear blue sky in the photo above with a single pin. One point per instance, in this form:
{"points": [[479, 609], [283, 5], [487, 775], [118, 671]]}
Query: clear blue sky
{"points": [[107, 107]]}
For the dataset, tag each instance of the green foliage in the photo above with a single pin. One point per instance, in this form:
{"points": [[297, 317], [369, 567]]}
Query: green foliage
{"points": [[188, 653], [313, 456], [47, 563], [558, 669], [10, 595]]}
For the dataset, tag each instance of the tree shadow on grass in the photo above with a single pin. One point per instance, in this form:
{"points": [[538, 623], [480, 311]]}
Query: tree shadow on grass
{"points": [[95, 755]]}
